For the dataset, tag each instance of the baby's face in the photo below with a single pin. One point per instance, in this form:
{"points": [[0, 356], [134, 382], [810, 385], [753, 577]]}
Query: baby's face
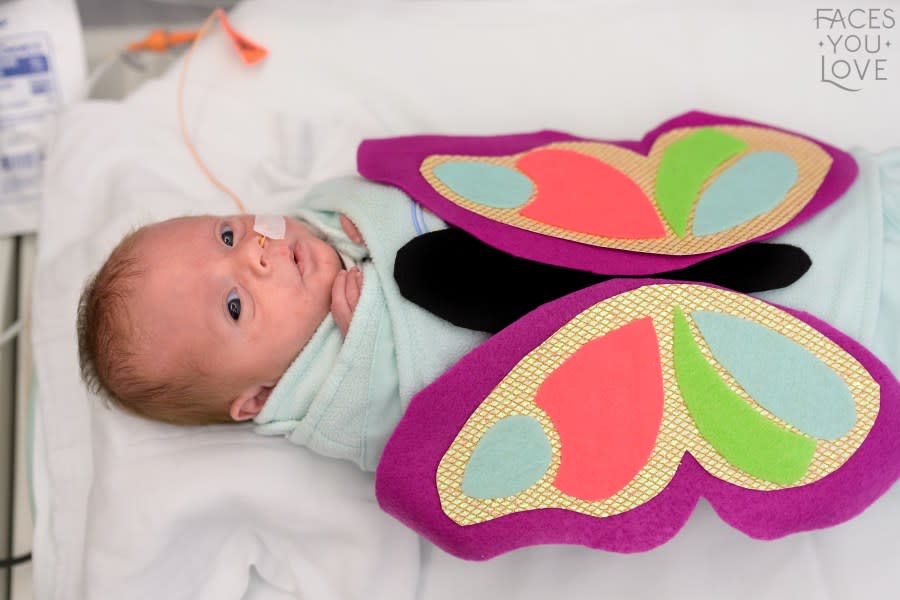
{"points": [[212, 296]]}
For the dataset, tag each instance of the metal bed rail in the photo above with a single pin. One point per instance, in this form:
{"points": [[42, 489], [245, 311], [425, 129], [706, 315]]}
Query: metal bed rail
{"points": [[16, 268]]}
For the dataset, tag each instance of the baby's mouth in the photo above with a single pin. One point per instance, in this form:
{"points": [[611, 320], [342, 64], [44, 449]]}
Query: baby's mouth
{"points": [[295, 254]]}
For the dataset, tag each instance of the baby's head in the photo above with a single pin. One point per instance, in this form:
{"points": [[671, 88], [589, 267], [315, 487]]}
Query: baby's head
{"points": [[193, 321]]}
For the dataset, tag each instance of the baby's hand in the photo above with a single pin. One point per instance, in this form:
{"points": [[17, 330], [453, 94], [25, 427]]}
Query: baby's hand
{"points": [[344, 297], [351, 230]]}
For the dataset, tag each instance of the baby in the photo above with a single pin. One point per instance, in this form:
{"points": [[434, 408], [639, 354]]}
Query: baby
{"points": [[170, 324], [192, 321], [200, 320]]}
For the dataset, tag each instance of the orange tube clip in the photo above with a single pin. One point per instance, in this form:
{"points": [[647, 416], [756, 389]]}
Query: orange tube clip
{"points": [[161, 40], [249, 51]]}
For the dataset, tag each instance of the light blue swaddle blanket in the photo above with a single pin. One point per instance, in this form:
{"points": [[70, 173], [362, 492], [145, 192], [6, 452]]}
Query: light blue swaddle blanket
{"points": [[343, 397]]}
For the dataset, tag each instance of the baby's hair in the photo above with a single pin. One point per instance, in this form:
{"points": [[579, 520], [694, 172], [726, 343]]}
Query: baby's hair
{"points": [[108, 342]]}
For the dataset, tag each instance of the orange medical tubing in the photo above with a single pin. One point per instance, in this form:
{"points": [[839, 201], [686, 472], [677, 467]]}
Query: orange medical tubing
{"points": [[183, 123]]}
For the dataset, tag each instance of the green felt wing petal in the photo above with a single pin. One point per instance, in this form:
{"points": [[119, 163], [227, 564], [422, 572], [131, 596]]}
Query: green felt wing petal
{"points": [[685, 165], [745, 438]]}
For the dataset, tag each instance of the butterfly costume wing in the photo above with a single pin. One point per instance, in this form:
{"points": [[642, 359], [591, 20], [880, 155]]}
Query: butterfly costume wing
{"points": [[696, 186], [601, 418]]}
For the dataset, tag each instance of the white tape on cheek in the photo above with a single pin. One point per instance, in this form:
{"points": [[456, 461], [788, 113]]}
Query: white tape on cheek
{"points": [[270, 226]]}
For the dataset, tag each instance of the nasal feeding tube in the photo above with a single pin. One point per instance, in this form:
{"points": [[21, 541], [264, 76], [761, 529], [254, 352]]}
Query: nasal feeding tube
{"points": [[269, 226]]}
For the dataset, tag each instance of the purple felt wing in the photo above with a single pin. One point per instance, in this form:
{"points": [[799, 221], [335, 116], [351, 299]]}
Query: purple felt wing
{"points": [[689, 190], [601, 418]]}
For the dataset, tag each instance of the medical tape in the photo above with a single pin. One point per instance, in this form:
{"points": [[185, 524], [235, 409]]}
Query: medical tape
{"points": [[269, 227]]}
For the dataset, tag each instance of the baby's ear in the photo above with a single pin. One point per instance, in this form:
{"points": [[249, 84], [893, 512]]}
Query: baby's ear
{"points": [[248, 404]]}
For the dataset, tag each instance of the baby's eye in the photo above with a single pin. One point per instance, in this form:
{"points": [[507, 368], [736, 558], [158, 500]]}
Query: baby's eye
{"points": [[227, 236], [233, 303]]}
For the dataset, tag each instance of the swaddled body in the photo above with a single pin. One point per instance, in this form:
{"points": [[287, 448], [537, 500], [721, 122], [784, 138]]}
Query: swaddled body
{"points": [[342, 397]]}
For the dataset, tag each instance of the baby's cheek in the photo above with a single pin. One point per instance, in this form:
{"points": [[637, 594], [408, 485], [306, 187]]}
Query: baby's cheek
{"points": [[295, 228]]}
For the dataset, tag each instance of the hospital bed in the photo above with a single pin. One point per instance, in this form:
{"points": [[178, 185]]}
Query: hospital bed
{"points": [[130, 509]]}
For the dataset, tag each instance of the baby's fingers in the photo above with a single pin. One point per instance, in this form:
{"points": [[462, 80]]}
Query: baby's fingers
{"points": [[345, 296], [351, 230], [353, 287], [340, 308]]}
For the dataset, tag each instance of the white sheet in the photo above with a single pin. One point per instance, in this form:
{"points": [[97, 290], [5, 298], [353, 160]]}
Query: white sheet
{"points": [[128, 509]]}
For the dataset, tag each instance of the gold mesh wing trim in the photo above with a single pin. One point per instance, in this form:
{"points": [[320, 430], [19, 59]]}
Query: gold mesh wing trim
{"points": [[515, 394], [812, 162]]}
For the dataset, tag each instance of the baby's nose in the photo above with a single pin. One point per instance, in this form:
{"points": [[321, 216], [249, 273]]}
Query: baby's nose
{"points": [[257, 253]]}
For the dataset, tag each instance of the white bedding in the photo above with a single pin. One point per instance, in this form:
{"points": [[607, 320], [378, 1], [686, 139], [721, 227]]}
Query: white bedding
{"points": [[129, 509]]}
